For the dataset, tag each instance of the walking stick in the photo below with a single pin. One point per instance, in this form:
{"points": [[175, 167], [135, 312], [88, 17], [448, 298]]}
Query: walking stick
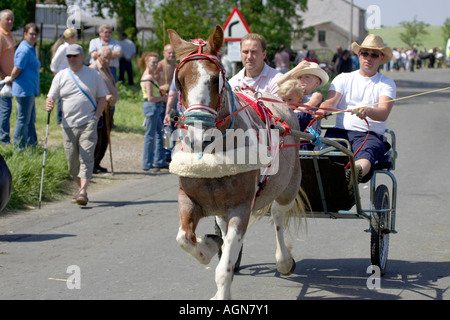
{"points": [[108, 130], [43, 161]]}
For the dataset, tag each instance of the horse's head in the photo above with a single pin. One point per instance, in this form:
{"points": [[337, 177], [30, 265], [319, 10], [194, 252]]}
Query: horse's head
{"points": [[200, 77]]}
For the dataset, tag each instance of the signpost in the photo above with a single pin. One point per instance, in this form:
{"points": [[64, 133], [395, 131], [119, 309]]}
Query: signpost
{"points": [[235, 28]]}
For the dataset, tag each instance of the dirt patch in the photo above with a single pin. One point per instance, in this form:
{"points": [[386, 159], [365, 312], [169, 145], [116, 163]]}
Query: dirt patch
{"points": [[126, 151]]}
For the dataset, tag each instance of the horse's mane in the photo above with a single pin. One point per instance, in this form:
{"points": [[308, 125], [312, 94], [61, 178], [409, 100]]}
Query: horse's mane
{"points": [[187, 48]]}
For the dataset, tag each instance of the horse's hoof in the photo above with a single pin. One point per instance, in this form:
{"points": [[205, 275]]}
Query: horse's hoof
{"points": [[218, 240], [290, 271]]}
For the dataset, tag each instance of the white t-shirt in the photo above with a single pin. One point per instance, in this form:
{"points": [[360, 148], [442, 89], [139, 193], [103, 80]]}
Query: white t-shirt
{"points": [[76, 108], [359, 91], [59, 61]]}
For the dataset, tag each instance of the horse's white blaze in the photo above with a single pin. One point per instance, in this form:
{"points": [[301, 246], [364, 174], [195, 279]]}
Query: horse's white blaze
{"points": [[199, 93]]}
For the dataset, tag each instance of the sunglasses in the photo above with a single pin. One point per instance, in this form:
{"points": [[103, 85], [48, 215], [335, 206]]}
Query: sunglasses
{"points": [[72, 55], [32, 33], [373, 55]]}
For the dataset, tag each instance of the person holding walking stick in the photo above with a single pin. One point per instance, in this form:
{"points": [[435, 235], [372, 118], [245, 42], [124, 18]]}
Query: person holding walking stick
{"points": [[83, 94], [104, 56]]}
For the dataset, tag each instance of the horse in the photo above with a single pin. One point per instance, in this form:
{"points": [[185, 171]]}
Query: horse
{"points": [[213, 184]]}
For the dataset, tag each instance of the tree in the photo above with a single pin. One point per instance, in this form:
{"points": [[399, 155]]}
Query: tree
{"points": [[24, 11], [446, 32], [413, 32], [276, 20], [125, 11], [190, 19]]}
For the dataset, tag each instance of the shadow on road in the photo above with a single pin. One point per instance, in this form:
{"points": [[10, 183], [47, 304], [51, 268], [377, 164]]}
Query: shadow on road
{"points": [[111, 203], [346, 279], [32, 237]]}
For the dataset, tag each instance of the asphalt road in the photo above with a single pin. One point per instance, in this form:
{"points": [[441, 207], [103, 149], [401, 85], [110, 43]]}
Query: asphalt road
{"points": [[122, 246]]}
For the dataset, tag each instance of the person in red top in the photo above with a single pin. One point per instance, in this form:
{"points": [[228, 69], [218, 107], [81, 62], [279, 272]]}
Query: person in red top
{"points": [[311, 57]]}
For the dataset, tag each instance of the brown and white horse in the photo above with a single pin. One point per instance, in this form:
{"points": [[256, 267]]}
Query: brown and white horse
{"points": [[228, 190]]}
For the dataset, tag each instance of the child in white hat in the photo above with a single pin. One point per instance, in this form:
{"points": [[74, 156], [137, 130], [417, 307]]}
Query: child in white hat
{"points": [[310, 76]]}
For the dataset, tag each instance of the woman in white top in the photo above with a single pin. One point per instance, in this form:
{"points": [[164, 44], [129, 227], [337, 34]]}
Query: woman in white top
{"points": [[59, 59]]}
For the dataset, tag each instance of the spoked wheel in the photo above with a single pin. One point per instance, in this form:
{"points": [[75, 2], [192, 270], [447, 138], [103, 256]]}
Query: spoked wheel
{"points": [[380, 225], [238, 261]]}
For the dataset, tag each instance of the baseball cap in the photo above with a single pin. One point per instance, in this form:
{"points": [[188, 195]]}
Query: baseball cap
{"points": [[74, 50]]}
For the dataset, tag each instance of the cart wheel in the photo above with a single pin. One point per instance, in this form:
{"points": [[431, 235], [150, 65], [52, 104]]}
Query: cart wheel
{"points": [[238, 261], [380, 223]]}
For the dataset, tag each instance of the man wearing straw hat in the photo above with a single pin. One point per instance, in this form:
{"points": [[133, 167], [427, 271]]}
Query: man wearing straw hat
{"points": [[370, 94]]}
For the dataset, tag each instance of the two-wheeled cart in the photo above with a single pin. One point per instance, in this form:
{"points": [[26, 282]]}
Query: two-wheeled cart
{"points": [[326, 185]]}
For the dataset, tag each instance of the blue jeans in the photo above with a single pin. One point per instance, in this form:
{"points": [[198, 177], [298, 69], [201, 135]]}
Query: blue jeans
{"points": [[5, 114], [153, 155], [25, 132]]}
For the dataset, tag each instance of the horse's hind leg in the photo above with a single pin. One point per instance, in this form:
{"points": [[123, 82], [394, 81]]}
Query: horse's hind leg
{"points": [[203, 249], [285, 262]]}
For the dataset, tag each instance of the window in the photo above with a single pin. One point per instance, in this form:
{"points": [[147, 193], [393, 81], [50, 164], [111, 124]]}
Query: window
{"points": [[321, 35]]}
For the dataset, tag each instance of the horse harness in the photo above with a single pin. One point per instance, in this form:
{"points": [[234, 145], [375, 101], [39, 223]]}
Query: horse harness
{"points": [[196, 112]]}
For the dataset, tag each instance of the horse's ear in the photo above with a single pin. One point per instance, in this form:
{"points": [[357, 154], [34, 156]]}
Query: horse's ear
{"points": [[216, 40], [175, 39]]}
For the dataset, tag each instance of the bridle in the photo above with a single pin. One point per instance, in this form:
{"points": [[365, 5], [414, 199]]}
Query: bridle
{"points": [[201, 112]]}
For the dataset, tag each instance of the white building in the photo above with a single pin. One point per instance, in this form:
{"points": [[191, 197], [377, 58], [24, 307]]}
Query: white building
{"points": [[332, 21]]}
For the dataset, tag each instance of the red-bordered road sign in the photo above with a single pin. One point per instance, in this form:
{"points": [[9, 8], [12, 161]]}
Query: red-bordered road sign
{"points": [[235, 27]]}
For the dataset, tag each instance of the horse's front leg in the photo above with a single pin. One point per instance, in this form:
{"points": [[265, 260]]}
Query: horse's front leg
{"points": [[285, 262], [233, 240], [203, 249]]}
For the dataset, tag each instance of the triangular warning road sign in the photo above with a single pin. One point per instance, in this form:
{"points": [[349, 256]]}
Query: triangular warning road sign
{"points": [[235, 27]]}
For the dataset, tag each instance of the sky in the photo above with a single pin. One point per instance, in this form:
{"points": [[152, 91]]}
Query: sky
{"points": [[392, 12]]}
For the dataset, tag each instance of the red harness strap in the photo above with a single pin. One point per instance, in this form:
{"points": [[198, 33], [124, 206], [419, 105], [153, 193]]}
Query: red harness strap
{"points": [[259, 107], [262, 111]]}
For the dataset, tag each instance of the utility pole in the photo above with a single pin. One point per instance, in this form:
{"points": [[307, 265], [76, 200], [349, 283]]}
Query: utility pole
{"points": [[350, 35]]}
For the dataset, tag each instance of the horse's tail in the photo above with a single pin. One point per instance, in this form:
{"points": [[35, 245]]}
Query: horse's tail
{"points": [[296, 214]]}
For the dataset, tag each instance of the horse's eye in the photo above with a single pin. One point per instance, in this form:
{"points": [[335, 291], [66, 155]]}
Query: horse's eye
{"points": [[215, 80]]}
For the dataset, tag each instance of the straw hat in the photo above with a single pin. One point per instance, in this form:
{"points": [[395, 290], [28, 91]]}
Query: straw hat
{"points": [[374, 42], [315, 70]]}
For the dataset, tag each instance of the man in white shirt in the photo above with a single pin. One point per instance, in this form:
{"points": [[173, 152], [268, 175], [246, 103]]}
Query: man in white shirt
{"points": [[256, 73], [105, 39], [372, 93], [83, 93]]}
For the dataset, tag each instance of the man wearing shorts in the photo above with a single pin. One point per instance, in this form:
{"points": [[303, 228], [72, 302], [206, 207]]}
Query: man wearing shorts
{"points": [[83, 93], [371, 93]]}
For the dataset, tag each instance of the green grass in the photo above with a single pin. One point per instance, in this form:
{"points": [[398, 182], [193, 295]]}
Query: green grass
{"points": [[26, 169], [26, 166], [391, 36]]}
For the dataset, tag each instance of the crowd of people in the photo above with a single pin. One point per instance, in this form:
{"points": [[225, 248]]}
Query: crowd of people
{"points": [[412, 59], [86, 96]]}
